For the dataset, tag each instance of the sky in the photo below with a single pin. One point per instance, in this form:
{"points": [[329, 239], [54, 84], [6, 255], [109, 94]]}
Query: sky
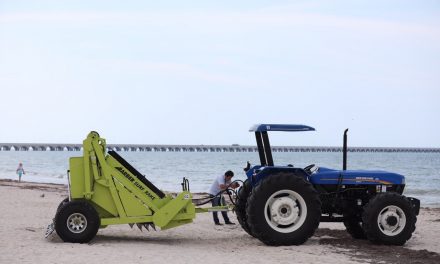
{"points": [[203, 72]]}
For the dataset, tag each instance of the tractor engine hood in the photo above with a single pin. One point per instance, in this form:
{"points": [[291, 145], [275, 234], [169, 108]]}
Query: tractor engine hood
{"points": [[330, 176]]}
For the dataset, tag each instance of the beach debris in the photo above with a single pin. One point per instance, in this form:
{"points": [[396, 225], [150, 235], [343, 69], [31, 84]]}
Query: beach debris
{"points": [[29, 229], [49, 230]]}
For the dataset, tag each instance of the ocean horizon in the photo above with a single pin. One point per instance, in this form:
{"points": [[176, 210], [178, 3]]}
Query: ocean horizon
{"points": [[166, 169]]}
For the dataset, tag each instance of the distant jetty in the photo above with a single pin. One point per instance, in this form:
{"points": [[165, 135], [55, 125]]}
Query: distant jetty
{"points": [[204, 148]]}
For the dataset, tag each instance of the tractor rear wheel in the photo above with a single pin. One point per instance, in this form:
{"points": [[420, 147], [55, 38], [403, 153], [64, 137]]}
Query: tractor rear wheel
{"points": [[240, 206], [388, 219], [76, 222], [284, 209]]}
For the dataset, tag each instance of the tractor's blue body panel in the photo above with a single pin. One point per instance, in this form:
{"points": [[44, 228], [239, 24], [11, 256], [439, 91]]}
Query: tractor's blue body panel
{"points": [[325, 176], [364, 177]]}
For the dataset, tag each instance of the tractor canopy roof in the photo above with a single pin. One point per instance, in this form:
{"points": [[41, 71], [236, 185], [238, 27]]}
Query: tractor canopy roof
{"points": [[279, 127]]}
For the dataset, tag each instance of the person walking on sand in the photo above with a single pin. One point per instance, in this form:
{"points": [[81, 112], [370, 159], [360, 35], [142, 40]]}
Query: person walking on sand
{"points": [[221, 183], [20, 171]]}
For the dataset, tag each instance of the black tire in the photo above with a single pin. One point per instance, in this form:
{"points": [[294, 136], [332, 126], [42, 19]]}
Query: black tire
{"points": [[77, 222], [62, 203], [353, 226], [389, 219], [283, 209], [240, 206]]}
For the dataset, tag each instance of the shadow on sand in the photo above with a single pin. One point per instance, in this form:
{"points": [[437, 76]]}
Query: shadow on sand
{"points": [[365, 251]]}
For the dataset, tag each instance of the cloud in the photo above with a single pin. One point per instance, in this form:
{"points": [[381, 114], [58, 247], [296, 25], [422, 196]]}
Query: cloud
{"points": [[267, 18]]}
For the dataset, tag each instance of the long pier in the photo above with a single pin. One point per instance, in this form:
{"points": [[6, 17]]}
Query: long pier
{"points": [[204, 148]]}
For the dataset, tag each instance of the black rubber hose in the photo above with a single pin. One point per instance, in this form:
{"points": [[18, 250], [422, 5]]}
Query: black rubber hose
{"points": [[219, 193]]}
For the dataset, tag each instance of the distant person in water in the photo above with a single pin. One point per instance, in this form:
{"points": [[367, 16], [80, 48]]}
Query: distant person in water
{"points": [[20, 171]]}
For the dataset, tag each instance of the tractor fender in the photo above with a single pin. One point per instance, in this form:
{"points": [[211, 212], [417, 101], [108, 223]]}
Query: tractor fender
{"points": [[257, 173]]}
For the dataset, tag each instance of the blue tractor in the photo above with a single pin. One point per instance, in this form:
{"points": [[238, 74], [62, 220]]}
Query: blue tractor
{"points": [[283, 205]]}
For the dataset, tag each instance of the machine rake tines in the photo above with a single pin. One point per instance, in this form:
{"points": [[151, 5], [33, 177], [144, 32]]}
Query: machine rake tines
{"points": [[145, 225]]}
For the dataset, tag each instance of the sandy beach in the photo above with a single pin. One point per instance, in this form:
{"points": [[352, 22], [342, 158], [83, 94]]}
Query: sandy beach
{"points": [[27, 208]]}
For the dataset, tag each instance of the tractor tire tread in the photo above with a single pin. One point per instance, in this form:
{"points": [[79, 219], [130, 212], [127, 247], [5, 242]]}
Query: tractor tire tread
{"points": [[240, 206]]}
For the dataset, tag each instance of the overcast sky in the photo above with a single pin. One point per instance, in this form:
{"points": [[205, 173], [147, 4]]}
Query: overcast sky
{"points": [[202, 72]]}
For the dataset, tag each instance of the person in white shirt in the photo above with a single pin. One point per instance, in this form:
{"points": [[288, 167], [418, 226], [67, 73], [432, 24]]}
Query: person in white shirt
{"points": [[221, 183]]}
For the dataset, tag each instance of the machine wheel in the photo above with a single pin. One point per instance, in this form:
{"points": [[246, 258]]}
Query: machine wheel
{"points": [[240, 206], [389, 219], [283, 209], [62, 203], [76, 222], [354, 227]]}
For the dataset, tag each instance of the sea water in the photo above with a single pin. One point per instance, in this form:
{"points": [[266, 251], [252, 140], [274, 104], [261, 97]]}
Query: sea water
{"points": [[166, 169]]}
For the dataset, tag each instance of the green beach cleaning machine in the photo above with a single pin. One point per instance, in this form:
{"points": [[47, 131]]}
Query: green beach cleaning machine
{"points": [[104, 189]]}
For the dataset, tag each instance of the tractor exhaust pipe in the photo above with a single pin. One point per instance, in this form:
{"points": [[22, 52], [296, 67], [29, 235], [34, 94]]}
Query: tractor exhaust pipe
{"points": [[344, 151]]}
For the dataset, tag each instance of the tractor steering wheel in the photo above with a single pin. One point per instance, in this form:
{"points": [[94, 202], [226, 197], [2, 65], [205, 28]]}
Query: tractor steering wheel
{"points": [[248, 166], [308, 168]]}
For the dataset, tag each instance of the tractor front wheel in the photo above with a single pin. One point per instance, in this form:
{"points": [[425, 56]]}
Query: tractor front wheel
{"points": [[76, 222], [284, 209], [389, 219]]}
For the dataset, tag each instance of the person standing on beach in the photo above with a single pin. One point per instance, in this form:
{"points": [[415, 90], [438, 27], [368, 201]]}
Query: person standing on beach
{"points": [[20, 171], [221, 183]]}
